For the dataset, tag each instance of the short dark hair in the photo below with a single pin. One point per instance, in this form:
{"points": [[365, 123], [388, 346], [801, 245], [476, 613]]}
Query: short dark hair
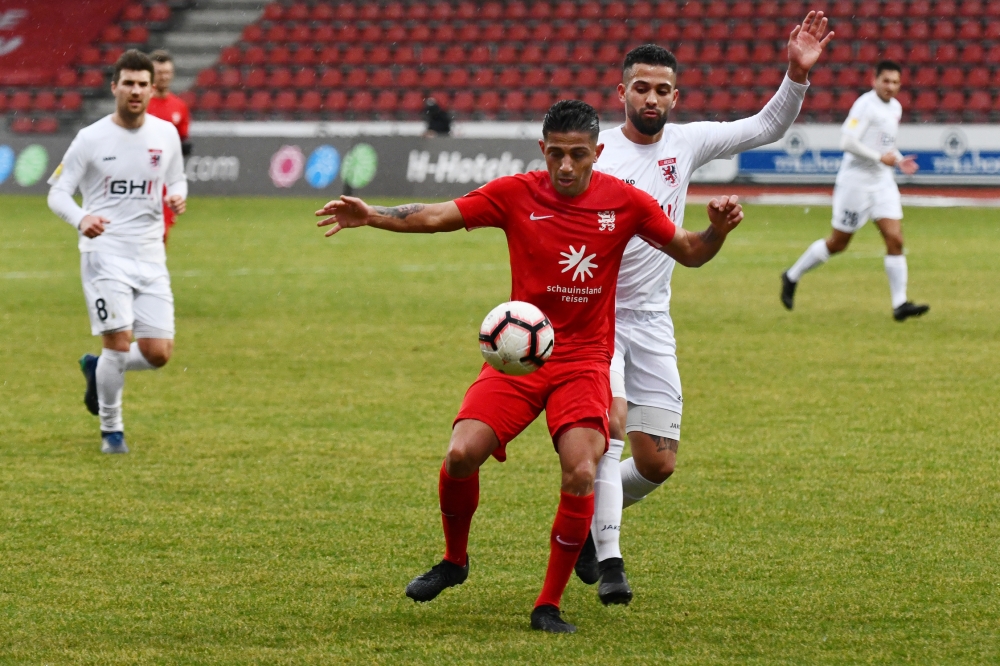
{"points": [[571, 115], [135, 61], [887, 65], [161, 55], [649, 54]]}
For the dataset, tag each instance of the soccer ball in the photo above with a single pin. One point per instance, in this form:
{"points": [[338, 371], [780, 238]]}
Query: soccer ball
{"points": [[516, 338]]}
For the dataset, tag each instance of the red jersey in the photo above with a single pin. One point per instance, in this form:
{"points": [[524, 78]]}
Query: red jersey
{"points": [[565, 251], [172, 109]]}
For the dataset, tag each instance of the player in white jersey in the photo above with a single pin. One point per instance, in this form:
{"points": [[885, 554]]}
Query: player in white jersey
{"points": [[660, 159], [121, 164], [866, 190]]}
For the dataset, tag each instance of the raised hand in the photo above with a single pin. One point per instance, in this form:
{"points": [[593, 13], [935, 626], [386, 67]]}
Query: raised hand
{"points": [[725, 213], [346, 213], [806, 44]]}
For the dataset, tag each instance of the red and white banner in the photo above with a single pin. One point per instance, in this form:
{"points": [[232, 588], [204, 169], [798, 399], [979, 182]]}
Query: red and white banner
{"points": [[37, 37]]}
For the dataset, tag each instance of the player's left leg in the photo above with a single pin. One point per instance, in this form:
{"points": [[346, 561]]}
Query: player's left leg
{"points": [[896, 269], [580, 449]]}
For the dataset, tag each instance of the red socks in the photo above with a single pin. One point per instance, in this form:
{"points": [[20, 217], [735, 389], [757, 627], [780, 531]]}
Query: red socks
{"points": [[569, 532], [459, 501]]}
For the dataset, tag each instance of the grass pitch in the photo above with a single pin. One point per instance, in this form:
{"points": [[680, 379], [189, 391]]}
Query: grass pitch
{"points": [[836, 500]]}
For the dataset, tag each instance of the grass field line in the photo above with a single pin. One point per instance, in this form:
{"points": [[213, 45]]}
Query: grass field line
{"points": [[239, 272]]}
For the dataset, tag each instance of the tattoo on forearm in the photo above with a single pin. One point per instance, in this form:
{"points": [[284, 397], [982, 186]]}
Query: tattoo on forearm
{"points": [[399, 212], [664, 444], [709, 235]]}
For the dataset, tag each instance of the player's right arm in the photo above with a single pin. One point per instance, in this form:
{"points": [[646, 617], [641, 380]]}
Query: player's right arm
{"points": [[64, 181], [693, 249], [417, 218]]}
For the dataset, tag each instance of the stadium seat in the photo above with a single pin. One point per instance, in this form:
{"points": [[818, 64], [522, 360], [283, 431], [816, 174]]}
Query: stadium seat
{"points": [[514, 102], [356, 78], [978, 77], [953, 101], [848, 77], [463, 102], [112, 34], [926, 101], [895, 51], [254, 56], [979, 102], [362, 102], [509, 79], [919, 53], [535, 77], [280, 77], [21, 125], [286, 102], [720, 102], [279, 55], [690, 79], [457, 78], [66, 78], [386, 102], [45, 100], [943, 30], [945, 8], [952, 77], [432, 77], [20, 101], [404, 55], [335, 101], [925, 77], [717, 77], [743, 77], [260, 102], [820, 101], [488, 103], [407, 77], [746, 103], [304, 56], [842, 9], [844, 100], [137, 35], [412, 102], [894, 9], [919, 8], [946, 53], [331, 78], [235, 102], [70, 101], [868, 30], [742, 9], [304, 78], [711, 53]]}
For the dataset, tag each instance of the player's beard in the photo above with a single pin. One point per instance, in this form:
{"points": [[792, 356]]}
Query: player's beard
{"points": [[645, 125]]}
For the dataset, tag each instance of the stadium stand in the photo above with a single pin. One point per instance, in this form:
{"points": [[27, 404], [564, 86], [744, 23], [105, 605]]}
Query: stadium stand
{"points": [[43, 99], [510, 59]]}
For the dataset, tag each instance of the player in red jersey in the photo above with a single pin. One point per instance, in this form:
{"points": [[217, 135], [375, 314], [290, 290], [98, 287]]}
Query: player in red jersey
{"points": [[566, 231], [168, 106]]}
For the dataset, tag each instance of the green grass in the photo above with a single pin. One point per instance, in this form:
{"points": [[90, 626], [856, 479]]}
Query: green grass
{"points": [[836, 500]]}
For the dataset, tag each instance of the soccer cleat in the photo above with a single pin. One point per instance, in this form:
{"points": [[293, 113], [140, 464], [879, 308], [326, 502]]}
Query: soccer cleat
{"points": [[787, 291], [113, 442], [909, 309], [441, 576], [547, 618], [586, 562], [614, 588], [88, 366]]}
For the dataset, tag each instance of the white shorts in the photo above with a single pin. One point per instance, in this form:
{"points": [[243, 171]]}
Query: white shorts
{"points": [[126, 294], [644, 366], [853, 206]]}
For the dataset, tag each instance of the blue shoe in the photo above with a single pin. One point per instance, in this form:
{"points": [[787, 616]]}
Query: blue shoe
{"points": [[113, 442], [88, 366]]}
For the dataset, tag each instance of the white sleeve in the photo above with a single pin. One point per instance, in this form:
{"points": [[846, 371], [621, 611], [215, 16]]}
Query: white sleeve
{"points": [[767, 126], [853, 129], [64, 181], [176, 179]]}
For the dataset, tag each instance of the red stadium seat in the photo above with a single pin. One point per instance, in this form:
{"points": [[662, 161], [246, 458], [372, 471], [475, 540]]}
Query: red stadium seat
{"points": [[892, 31], [507, 54], [354, 55], [583, 54], [464, 102], [411, 102], [693, 10], [566, 11], [457, 78], [255, 56], [252, 34], [207, 78], [943, 30], [945, 8], [926, 101], [694, 101], [992, 8], [919, 31], [763, 52], [45, 100], [66, 77], [158, 13], [420, 33], [979, 77], [235, 102], [993, 55], [992, 31], [919, 53], [738, 53], [568, 32], [979, 102], [480, 55], [970, 30], [562, 77], [111, 55], [260, 102], [514, 102], [70, 101], [844, 100], [304, 78], [133, 12], [21, 125], [895, 51], [532, 55], [746, 102], [322, 12], [441, 11], [276, 34], [335, 101], [867, 30], [230, 56], [279, 55], [20, 101], [112, 34], [952, 77], [720, 101], [711, 53], [610, 78], [404, 55], [717, 77], [356, 78], [137, 34], [484, 77], [515, 11], [946, 53], [408, 77], [254, 78], [386, 102], [92, 78], [280, 77], [468, 33], [331, 78], [819, 102], [433, 77], [586, 77], [919, 8], [905, 99], [540, 11], [612, 105], [926, 77], [305, 56], [691, 79], [273, 12], [488, 103], [381, 78], [693, 32], [867, 52], [467, 11], [770, 77], [362, 102], [454, 55], [592, 32], [535, 78], [394, 11], [558, 54], [953, 101], [848, 77], [742, 9], [842, 9], [510, 79], [286, 101], [491, 11], [616, 11]]}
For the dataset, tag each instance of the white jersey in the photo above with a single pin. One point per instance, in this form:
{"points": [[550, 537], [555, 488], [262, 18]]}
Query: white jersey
{"points": [[121, 174], [664, 169], [874, 124]]}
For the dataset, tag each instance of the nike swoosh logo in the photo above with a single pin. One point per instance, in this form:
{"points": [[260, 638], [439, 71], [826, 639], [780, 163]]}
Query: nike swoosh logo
{"points": [[565, 543], [541, 217]]}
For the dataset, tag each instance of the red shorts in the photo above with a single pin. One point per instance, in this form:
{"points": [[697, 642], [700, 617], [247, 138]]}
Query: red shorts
{"points": [[573, 394]]}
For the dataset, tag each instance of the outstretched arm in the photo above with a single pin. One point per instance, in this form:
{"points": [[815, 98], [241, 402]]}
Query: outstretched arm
{"points": [[695, 249], [416, 218]]}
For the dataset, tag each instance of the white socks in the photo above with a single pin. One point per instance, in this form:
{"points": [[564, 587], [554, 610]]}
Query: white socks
{"points": [[606, 526], [895, 269], [110, 382], [136, 361], [635, 486], [111, 367], [815, 255]]}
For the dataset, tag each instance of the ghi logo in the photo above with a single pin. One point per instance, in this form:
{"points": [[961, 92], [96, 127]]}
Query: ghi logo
{"points": [[575, 259], [606, 220]]}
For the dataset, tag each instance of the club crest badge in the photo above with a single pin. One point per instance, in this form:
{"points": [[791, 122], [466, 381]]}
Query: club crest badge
{"points": [[606, 220], [155, 155], [668, 169]]}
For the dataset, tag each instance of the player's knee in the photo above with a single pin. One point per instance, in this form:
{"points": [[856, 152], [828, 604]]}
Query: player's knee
{"points": [[579, 479], [158, 353], [894, 244], [837, 245], [657, 470], [460, 460]]}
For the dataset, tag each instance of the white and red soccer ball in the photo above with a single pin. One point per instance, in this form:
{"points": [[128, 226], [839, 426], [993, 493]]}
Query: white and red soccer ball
{"points": [[516, 338]]}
